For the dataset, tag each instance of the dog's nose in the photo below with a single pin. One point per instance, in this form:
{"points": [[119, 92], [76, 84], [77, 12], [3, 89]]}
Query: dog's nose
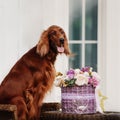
{"points": [[62, 40]]}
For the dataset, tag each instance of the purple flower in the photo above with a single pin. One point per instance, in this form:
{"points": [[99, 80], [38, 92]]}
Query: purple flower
{"points": [[71, 74]]}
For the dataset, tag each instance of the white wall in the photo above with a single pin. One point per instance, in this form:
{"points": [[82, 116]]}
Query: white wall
{"points": [[9, 35], [113, 54], [30, 13]]}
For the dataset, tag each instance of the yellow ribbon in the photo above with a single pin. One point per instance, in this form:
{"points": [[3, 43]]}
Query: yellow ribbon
{"points": [[102, 99]]}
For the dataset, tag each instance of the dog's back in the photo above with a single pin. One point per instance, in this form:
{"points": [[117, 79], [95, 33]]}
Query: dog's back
{"points": [[18, 78]]}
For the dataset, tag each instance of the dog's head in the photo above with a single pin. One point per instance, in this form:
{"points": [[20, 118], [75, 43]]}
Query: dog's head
{"points": [[53, 39]]}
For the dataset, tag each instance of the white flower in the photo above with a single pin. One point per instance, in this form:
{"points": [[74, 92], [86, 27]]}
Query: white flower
{"points": [[77, 71], [94, 74], [86, 74], [81, 80]]}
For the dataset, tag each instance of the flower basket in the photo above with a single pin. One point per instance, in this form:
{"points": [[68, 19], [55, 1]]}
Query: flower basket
{"points": [[78, 99], [79, 91]]}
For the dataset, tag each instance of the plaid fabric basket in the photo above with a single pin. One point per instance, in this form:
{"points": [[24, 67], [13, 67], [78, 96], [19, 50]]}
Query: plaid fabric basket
{"points": [[79, 99]]}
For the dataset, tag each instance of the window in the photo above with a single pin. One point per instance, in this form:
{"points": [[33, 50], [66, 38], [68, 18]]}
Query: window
{"points": [[83, 29]]}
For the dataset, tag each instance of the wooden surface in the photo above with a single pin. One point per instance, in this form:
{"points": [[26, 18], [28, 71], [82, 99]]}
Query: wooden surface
{"points": [[51, 111], [8, 112], [57, 115]]}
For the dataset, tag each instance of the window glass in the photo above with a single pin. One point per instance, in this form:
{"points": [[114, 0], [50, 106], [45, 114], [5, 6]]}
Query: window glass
{"points": [[91, 55], [75, 19], [91, 19], [75, 60]]}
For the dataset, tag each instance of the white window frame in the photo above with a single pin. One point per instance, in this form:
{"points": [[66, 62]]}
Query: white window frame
{"points": [[83, 41], [102, 43]]}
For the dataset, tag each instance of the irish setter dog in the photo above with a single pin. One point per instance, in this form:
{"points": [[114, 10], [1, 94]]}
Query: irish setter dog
{"points": [[32, 76]]}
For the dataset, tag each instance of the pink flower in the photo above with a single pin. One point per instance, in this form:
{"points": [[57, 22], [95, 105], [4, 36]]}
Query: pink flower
{"points": [[93, 80], [86, 69]]}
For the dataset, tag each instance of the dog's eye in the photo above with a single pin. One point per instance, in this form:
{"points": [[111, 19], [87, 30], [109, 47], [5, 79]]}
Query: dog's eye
{"points": [[62, 32], [53, 32]]}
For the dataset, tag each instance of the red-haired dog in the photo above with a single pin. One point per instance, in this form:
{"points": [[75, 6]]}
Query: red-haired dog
{"points": [[32, 76]]}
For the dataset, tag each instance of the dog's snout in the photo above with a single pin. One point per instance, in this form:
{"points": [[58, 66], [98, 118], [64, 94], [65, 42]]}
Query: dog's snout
{"points": [[62, 40]]}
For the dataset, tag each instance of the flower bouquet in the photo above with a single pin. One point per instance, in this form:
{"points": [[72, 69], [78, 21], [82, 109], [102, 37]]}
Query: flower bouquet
{"points": [[78, 77]]}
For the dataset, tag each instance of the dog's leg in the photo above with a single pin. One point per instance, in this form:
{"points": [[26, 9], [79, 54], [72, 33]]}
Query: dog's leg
{"points": [[21, 107], [29, 102], [37, 106]]}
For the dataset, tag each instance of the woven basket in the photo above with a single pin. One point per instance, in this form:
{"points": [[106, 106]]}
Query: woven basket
{"points": [[78, 99]]}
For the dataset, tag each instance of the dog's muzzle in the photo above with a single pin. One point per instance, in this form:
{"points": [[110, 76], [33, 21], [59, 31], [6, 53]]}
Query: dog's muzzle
{"points": [[61, 48]]}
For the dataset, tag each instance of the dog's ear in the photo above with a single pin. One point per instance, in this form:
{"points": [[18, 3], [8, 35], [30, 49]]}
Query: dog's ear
{"points": [[43, 44], [66, 46]]}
